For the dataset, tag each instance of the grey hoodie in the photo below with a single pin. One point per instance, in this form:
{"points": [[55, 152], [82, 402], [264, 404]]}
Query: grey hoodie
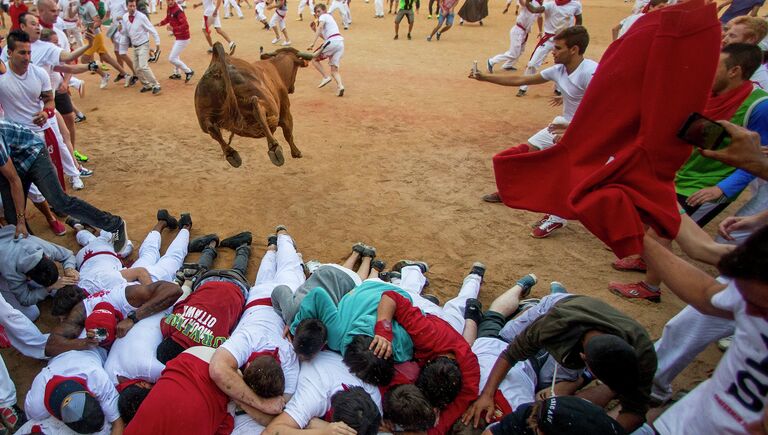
{"points": [[17, 257]]}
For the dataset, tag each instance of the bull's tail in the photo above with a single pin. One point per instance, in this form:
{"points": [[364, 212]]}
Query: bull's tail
{"points": [[230, 106]]}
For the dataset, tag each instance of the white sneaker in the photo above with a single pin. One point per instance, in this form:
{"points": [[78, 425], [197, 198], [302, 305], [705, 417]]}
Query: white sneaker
{"points": [[232, 47], [77, 183], [127, 80], [104, 81], [324, 82], [286, 43], [340, 92], [276, 40]]}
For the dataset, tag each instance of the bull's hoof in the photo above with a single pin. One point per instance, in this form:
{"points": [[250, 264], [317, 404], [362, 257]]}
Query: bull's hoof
{"points": [[276, 155], [296, 154], [234, 159]]}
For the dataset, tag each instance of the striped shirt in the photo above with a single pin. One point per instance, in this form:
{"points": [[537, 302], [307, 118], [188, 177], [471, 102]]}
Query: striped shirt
{"points": [[19, 144]]}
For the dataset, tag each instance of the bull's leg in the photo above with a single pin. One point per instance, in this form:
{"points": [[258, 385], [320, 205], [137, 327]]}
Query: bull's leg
{"points": [[286, 123], [233, 157], [275, 152]]}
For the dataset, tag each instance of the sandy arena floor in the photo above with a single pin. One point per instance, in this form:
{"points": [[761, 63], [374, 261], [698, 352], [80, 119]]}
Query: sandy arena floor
{"points": [[400, 162]]}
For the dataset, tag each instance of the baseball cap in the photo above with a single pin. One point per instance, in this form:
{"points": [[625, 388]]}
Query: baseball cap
{"points": [[104, 316], [73, 404], [575, 416]]}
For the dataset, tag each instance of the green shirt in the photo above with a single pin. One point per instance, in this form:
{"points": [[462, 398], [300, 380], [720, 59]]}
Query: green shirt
{"points": [[406, 4], [355, 315]]}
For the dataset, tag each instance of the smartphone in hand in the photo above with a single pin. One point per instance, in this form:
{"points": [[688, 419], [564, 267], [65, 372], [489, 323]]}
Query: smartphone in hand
{"points": [[703, 132]]}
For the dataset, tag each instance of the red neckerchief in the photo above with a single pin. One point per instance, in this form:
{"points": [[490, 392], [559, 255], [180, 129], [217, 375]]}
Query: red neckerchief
{"points": [[131, 17], [562, 2], [125, 384], [274, 353], [329, 415], [46, 25], [724, 106]]}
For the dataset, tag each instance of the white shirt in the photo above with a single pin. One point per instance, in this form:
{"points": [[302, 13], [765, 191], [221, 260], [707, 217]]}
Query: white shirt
{"points": [[133, 356], [63, 39], [735, 395], [84, 364], [330, 28], [115, 297], [117, 9], [571, 85], [761, 77], [639, 6], [557, 18], [138, 31], [319, 379], [20, 95], [519, 385], [526, 18], [626, 23]]}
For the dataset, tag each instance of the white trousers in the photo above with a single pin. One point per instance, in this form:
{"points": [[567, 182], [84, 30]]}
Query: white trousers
{"points": [[281, 267], [162, 268], [67, 160], [517, 38], [452, 311], [346, 15], [233, 4], [31, 312], [7, 389], [684, 337], [22, 333], [259, 8], [514, 327], [538, 58], [378, 7], [174, 57], [306, 3]]}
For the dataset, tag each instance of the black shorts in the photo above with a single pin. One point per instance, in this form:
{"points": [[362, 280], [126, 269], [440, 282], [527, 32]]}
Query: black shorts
{"points": [[64, 103]]}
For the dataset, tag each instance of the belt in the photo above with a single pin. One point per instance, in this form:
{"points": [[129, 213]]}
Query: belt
{"points": [[263, 302], [90, 254], [521, 26]]}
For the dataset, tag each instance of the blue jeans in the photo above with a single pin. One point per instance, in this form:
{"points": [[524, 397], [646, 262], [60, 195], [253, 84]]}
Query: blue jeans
{"points": [[43, 175], [447, 18]]}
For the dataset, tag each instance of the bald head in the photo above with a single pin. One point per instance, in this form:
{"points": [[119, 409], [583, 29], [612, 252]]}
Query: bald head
{"points": [[48, 11]]}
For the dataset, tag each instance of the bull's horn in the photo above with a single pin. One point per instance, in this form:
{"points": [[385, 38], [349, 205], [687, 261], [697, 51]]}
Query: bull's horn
{"points": [[261, 50], [305, 56]]}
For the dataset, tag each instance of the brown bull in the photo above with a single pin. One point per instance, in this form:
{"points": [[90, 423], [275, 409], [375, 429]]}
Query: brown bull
{"points": [[249, 99]]}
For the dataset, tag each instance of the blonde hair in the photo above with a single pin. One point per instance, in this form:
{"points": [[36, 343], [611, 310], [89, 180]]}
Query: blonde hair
{"points": [[756, 27]]}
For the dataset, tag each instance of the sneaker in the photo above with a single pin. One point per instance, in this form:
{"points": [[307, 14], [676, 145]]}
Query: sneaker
{"points": [[478, 269], [199, 243], [429, 17], [300, 18], [429, 38], [432, 298], [80, 117], [104, 81], [547, 227], [324, 81], [340, 92], [630, 264], [175, 76], [509, 68], [119, 77], [409, 37], [557, 287], [378, 265], [540, 221], [238, 240], [473, 310], [369, 251], [521, 93], [57, 227], [85, 172], [170, 221], [188, 76], [210, 50], [437, 35], [490, 66], [286, 43], [132, 81], [526, 283], [78, 155], [395, 38], [276, 40], [13, 417], [635, 290], [75, 224], [146, 89], [233, 46], [279, 228], [724, 343], [156, 90], [120, 236], [312, 266], [492, 197], [271, 240], [403, 263], [185, 220], [126, 251], [77, 183]]}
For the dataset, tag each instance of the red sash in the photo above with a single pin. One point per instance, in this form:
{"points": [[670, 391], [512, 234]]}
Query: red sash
{"points": [[53, 151], [90, 254], [266, 302], [545, 38]]}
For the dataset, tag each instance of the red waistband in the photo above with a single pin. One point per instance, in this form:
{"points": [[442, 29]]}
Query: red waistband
{"points": [[90, 254], [331, 36], [521, 26], [265, 302]]}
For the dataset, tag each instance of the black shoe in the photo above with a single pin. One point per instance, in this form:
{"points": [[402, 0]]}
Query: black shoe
{"points": [[394, 275], [74, 223], [403, 263], [280, 228], [473, 310], [120, 236], [272, 240], [133, 81], [119, 78], [198, 244], [385, 276], [170, 221], [188, 76], [409, 36], [432, 298], [369, 251], [185, 220], [378, 265], [478, 269], [358, 247], [238, 240], [156, 90], [146, 89], [80, 118], [175, 76]]}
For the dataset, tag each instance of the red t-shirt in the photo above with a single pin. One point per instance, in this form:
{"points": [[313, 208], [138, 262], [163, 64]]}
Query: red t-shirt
{"points": [[206, 317], [432, 337], [14, 11], [184, 401]]}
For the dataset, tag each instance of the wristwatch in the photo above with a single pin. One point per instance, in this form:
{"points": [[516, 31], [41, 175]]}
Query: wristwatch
{"points": [[132, 316]]}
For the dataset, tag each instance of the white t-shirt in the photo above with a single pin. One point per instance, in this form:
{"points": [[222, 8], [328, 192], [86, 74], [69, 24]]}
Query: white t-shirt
{"points": [[116, 297], [526, 18], [519, 385], [734, 397], [626, 23], [208, 7], [639, 6], [117, 9], [330, 28], [319, 379], [557, 18], [84, 364], [20, 95], [133, 356], [761, 77], [571, 85]]}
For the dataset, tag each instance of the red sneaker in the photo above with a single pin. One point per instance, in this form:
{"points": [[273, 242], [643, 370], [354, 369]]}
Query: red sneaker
{"points": [[5, 343], [547, 227], [635, 290], [540, 221], [630, 264], [57, 227]]}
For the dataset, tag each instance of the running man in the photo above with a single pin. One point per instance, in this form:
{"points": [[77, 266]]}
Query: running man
{"points": [[332, 47], [405, 10], [518, 36], [277, 23], [446, 16], [211, 18]]}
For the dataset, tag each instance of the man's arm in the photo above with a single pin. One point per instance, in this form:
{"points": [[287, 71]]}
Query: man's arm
{"points": [[149, 299], [224, 373], [284, 424], [318, 32], [152, 31], [578, 19], [17, 194], [63, 337], [137, 274], [685, 280], [65, 57], [504, 80], [71, 69]]}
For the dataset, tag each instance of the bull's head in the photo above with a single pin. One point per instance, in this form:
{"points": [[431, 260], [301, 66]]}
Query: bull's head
{"points": [[296, 58]]}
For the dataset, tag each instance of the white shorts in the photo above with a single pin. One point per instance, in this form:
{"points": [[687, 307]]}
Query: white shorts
{"points": [[209, 22], [543, 139], [277, 20], [333, 52], [260, 11]]}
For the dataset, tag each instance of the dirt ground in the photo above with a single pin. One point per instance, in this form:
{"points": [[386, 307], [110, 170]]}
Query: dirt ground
{"points": [[400, 162]]}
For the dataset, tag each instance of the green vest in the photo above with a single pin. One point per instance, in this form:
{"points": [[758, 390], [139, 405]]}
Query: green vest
{"points": [[700, 172]]}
